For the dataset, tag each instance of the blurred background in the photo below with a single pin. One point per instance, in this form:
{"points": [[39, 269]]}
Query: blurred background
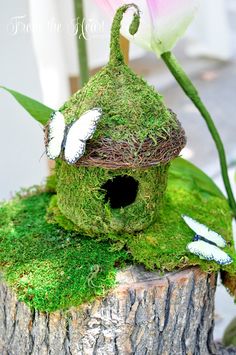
{"points": [[39, 59]]}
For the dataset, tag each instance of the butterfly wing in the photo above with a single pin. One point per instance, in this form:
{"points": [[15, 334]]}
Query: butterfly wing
{"points": [[56, 130], [80, 131], [205, 232], [209, 252]]}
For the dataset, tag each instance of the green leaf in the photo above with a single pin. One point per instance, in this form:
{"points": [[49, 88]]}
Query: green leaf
{"points": [[191, 178], [36, 109]]}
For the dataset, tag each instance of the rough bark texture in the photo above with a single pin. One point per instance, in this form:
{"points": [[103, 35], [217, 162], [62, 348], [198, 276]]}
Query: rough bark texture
{"points": [[145, 314]]}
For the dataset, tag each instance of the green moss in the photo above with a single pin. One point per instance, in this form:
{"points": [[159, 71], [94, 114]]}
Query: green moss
{"points": [[48, 267], [192, 193], [54, 215], [81, 199], [51, 183], [51, 268], [132, 110]]}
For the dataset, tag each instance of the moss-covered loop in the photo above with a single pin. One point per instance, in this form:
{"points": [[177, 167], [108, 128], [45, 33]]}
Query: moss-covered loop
{"points": [[116, 55]]}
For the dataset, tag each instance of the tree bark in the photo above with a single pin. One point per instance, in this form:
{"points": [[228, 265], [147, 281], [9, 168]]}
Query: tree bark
{"points": [[145, 314]]}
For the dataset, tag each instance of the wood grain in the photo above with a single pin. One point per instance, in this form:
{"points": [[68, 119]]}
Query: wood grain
{"points": [[145, 314]]}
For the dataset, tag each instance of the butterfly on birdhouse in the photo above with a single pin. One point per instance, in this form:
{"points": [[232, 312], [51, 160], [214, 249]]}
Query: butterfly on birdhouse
{"points": [[206, 243], [70, 138]]}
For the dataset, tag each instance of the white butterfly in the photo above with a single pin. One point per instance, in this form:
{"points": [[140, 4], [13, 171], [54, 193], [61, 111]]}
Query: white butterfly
{"points": [[207, 243], [72, 138]]}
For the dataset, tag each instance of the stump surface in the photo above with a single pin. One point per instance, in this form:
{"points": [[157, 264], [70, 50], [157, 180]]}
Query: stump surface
{"points": [[145, 314]]}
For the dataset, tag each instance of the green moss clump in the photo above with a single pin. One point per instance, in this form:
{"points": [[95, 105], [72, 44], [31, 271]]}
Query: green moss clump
{"points": [[54, 215], [132, 110], [50, 185], [50, 268], [193, 193], [81, 199]]}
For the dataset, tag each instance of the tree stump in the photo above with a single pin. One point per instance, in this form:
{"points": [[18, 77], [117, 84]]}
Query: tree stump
{"points": [[145, 314]]}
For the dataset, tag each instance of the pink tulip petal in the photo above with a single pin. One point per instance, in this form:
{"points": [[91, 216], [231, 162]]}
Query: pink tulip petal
{"points": [[162, 22], [161, 8], [174, 16], [109, 6], [153, 9], [168, 7]]}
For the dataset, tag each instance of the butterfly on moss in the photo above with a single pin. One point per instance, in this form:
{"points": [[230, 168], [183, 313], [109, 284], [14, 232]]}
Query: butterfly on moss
{"points": [[206, 243], [70, 138]]}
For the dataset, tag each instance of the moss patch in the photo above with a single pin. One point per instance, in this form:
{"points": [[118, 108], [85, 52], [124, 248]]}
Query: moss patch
{"points": [[51, 268], [192, 193], [48, 267]]}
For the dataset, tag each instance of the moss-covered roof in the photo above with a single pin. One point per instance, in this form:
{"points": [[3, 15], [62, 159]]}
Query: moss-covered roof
{"points": [[133, 111], [135, 121]]}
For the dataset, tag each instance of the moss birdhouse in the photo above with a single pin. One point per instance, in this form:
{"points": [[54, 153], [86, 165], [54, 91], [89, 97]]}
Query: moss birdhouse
{"points": [[117, 186], [113, 143]]}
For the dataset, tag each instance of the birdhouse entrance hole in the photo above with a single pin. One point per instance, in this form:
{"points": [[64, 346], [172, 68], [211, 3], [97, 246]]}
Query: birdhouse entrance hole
{"points": [[120, 191]]}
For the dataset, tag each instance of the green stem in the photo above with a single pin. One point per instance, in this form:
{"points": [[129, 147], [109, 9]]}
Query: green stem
{"points": [[192, 93], [81, 44], [116, 55]]}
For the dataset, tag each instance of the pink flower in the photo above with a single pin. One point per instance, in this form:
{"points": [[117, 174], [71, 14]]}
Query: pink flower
{"points": [[162, 23]]}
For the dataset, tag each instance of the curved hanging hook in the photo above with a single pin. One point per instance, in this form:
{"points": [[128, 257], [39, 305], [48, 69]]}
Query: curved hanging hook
{"points": [[116, 55]]}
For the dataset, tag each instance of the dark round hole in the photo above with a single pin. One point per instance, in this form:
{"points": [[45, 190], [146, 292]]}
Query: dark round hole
{"points": [[120, 191]]}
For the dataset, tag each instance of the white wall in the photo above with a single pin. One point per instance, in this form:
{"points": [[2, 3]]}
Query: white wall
{"points": [[21, 138], [50, 51]]}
